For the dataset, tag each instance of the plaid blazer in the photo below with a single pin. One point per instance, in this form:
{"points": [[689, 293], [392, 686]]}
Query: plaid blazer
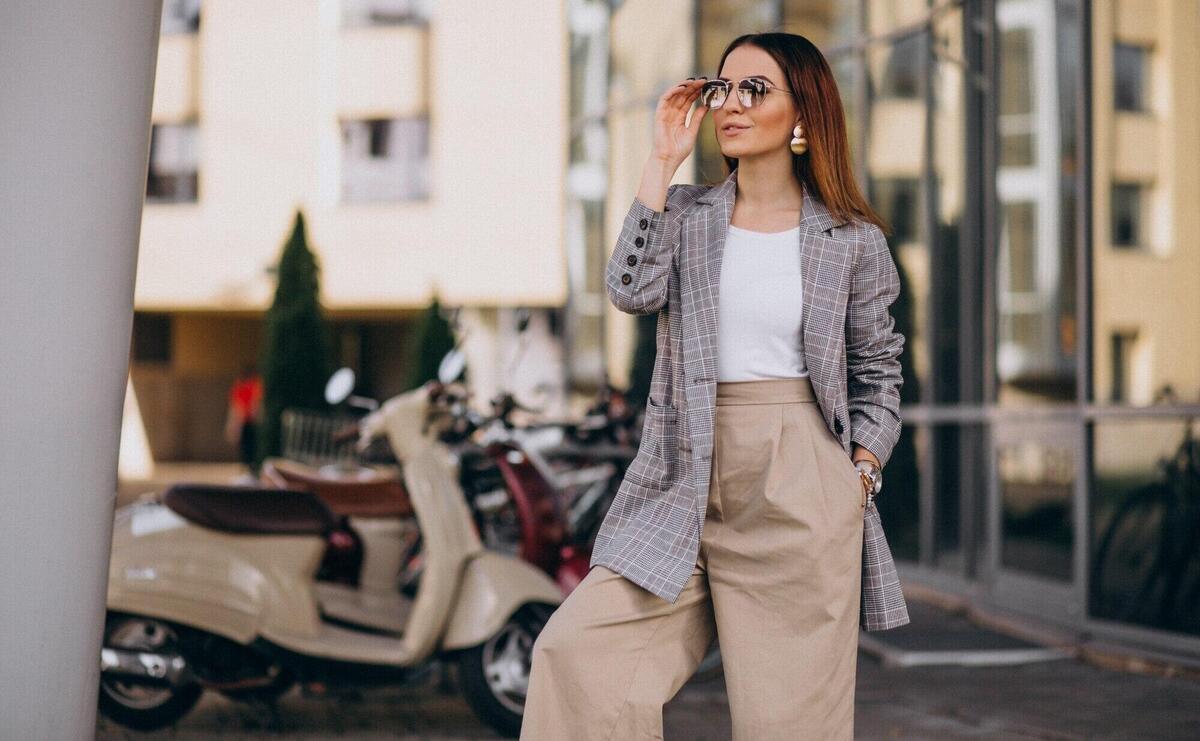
{"points": [[669, 262]]}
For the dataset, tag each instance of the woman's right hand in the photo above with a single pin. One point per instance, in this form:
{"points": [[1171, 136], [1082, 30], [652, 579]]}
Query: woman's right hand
{"points": [[674, 137]]}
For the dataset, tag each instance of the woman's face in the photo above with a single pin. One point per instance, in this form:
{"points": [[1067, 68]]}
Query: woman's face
{"points": [[768, 124]]}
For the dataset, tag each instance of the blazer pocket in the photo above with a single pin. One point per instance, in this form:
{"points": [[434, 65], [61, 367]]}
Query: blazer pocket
{"points": [[658, 451]]}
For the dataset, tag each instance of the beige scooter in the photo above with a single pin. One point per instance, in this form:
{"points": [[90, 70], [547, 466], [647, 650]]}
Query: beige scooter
{"points": [[215, 588]]}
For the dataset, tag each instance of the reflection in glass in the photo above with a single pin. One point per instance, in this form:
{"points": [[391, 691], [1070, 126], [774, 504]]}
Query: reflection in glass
{"points": [[956, 269], [1036, 182], [958, 496], [1126, 214], [1146, 251], [895, 162], [1144, 549], [899, 501], [1129, 77], [1016, 99], [1036, 482]]}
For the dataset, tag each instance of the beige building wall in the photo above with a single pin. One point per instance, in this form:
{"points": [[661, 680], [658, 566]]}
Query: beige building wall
{"points": [[1150, 290], [268, 85], [269, 80]]}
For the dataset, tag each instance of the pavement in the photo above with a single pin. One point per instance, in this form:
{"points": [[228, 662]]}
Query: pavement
{"points": [[949, 674], [1060, 700]]}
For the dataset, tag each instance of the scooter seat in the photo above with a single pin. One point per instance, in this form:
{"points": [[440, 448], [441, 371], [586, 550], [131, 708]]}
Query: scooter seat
{"points": [[240, 509], [381, 496]]}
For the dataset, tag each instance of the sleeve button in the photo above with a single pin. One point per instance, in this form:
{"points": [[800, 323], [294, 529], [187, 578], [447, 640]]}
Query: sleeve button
{"points": [[632, 260], [837, 425], [626, 279], [639, 241], [643, 223]]}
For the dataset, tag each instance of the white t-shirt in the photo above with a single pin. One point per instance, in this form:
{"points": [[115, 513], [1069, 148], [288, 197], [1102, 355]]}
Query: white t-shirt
{"points": [[758, 311]]}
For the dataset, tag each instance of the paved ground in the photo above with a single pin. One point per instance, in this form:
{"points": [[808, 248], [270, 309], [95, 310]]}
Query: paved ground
{"points": [[1063, 699]]}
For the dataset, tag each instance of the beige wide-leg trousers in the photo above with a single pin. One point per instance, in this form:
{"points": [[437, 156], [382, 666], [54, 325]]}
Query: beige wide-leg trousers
{"points": [[777, 579]]}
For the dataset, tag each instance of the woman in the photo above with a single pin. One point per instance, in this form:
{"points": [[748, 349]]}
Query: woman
{"points": [[769, 416]]}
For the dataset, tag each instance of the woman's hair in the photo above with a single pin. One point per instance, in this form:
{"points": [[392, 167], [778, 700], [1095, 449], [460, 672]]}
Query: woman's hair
{"points": [[825, 169]]}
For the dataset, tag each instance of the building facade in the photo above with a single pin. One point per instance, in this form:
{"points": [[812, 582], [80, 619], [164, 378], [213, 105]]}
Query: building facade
{"points": [[424, 144], [1039, 162]]}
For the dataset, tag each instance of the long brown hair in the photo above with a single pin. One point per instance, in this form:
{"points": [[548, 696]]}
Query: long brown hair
{"points": [[824, 170]]}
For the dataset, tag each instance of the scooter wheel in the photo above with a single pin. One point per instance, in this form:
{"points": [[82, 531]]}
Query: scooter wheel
{"points": [[139, 706], [495, 674]]}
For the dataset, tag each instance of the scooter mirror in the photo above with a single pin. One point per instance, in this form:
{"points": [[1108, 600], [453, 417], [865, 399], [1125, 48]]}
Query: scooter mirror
{"points": [[339, 386], [451, 366]]}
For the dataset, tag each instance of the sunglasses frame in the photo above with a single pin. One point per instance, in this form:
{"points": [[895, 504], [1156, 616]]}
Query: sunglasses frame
{"points": [[745, 95]]}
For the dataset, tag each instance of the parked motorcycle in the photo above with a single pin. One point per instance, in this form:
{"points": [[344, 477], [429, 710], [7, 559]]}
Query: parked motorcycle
{"points": [[218, 588]]}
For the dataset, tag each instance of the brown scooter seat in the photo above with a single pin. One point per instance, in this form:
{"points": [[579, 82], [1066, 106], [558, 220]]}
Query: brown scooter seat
{"points": [[240, 509], [381, 496]]}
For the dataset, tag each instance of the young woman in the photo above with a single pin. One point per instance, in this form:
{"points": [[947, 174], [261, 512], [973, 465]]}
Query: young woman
{"points": [[772, 408]]}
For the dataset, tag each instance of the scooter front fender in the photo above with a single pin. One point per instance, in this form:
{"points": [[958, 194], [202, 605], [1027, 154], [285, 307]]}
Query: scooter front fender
{"points": [[494, 586]]}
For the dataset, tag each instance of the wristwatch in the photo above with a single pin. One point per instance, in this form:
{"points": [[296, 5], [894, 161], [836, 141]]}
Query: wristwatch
{"points": [[872, 476]]}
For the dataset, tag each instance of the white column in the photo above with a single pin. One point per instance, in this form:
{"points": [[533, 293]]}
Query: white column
{"points": [[76, 84]]}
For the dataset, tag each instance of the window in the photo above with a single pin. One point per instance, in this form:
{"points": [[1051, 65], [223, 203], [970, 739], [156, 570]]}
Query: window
{"points": [[385, 159], [357, 13], [173, 163], [151, 338], [898, 201], [1122, 359], [902, 75], [1129, 77], [1127, 215], [180, 16], [1016, 120]]}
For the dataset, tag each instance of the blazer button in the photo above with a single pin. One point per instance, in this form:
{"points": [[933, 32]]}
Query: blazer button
{"points": [[639, 241], [626, 279], [632, 259], [643, 223], [837, 425]]}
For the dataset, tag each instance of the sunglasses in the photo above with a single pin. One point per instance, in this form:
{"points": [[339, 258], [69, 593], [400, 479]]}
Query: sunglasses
{"points": [[750, 90]]}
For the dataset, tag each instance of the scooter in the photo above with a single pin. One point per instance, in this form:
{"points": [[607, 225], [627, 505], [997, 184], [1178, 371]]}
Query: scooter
{"points": [[215, 588]]}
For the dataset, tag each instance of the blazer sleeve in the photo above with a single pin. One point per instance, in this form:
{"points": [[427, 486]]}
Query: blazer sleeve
{"points": [[648, 243], [873, 348]]}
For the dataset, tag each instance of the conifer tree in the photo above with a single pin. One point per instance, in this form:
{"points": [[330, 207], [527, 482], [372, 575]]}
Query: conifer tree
{"points": [[433, 338], [295, 359]]}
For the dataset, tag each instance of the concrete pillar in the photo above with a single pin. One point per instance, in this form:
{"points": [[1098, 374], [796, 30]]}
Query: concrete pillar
{"points": [[76, 84]]}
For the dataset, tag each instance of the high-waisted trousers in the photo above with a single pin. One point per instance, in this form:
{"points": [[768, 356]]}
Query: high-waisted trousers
{"points": [[777, 581]]}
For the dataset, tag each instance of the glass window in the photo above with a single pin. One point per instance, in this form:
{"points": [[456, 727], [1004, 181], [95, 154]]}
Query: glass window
{"points": [[902, 74], [385, 159], [151, 338], [1145, 338], [1016, 119], [899, 501], [956, 264], [1122, 347], [385, 12], [1129, 77], [1145, 512], [1127, 215], [180, 16], [1036, 313], [174, 161], [1036, 477]]}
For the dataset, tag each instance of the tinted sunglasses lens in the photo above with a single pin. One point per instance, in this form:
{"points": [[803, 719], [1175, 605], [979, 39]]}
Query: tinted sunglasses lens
{"points": [[751, 92], [712, 94]]}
